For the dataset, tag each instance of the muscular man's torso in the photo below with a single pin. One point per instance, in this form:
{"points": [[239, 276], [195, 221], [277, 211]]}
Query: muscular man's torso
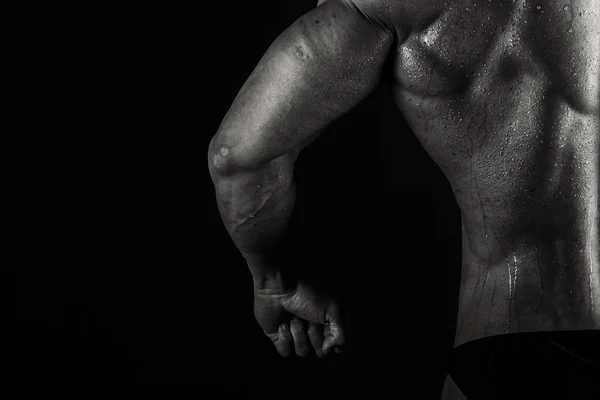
{"points": [[504, 96]]}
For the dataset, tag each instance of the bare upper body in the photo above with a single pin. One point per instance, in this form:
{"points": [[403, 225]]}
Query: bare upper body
{"points": [[504, 96]]}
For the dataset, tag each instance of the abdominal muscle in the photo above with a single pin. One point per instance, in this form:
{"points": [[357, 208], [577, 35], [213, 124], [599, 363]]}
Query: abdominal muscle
{"points": [[527, 187], [530, 224]]}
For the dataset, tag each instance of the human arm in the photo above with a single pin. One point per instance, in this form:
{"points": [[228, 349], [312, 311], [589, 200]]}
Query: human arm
{"points": [[319, 68]]}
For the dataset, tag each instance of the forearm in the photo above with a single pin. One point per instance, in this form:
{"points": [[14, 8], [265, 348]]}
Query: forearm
{"points": [[256, 206], [319, 68]]}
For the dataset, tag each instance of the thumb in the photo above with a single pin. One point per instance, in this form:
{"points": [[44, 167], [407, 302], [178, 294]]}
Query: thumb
{"points": [[335, 331]]}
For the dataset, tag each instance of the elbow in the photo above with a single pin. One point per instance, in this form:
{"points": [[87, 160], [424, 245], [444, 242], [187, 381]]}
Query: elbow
{"points": [[220, 162], [226, 159]]}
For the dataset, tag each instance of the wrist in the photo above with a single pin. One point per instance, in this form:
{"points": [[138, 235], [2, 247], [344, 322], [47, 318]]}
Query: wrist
{"points": [[273, 283], [266, 276]]}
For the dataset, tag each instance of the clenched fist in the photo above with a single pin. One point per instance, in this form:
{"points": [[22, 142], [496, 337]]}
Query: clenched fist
{"points": [[299, 318]]}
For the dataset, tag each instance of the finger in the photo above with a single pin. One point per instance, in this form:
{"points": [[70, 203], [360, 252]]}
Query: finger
{"points": [[335, 334], [284, 341], [315, 335], [298, 329]]}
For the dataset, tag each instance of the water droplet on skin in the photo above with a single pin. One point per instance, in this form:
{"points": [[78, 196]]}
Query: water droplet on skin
{"points": [[538, 7]]}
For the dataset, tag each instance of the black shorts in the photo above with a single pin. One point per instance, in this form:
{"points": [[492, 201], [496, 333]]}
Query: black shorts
{"points": [[548, 365]]}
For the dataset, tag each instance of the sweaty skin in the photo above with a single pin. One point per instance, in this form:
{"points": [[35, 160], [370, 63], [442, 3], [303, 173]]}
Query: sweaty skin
{"points": [[504, 95]]}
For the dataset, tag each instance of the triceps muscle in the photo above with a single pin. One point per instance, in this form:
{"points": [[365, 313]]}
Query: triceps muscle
{"points": [[319, 68]]}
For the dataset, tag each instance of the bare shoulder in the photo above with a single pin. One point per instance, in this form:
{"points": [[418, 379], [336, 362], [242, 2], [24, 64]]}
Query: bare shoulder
{"points": [[378, 7], [399, 16]]}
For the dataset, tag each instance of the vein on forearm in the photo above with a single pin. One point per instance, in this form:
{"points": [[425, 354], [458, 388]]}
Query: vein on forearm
{"points": [[256, 205], [243, 217]]}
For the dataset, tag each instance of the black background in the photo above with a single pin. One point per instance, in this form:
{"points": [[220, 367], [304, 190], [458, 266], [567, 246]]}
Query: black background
{"points": [[131, 276]]}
